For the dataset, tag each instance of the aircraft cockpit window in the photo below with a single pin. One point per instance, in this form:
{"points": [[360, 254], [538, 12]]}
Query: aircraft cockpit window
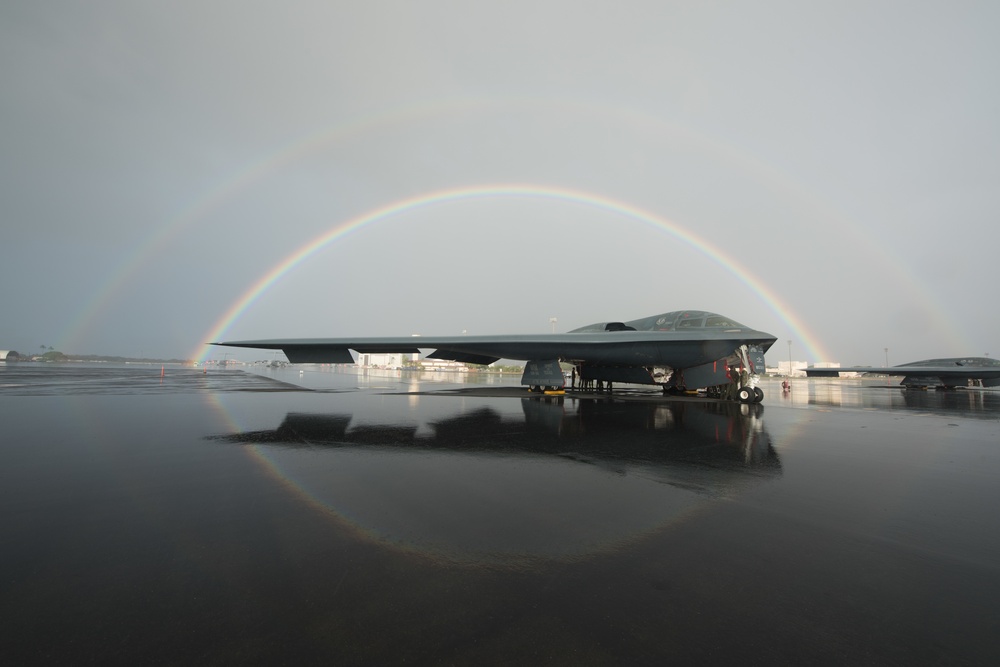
{"points": [[722, 322], [688, 324]]}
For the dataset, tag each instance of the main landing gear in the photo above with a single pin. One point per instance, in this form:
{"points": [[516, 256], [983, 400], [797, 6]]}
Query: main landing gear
{"points": [[733, 392], [750, 394]]}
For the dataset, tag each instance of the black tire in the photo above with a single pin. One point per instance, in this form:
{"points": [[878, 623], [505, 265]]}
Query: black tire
{"points": [[758, 394], [745, 395]]}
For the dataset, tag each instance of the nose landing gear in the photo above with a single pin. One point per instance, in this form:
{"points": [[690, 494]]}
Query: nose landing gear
{"points": [[748, 391]]}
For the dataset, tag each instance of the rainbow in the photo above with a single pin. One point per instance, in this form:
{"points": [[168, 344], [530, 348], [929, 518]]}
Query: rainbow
{"points": [[201, 207], [279, 270]]}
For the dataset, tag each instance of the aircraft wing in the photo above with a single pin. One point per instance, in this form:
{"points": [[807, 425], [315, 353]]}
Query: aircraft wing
{"points": [[952, 371], [628, 348]]}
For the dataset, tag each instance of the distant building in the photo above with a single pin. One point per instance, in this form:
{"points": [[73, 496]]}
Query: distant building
{"points": [[382, 360], [443, 365], [9, 354], [797, 368], [833, 364], [396, 360]]}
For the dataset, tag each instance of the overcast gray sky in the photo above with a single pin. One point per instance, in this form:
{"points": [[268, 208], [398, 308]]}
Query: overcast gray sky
{"points": [[839, 160]]}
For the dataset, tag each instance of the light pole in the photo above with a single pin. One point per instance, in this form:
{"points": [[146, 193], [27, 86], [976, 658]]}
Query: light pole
{"points": [[886, 357], [553, 321], [789, 358]]}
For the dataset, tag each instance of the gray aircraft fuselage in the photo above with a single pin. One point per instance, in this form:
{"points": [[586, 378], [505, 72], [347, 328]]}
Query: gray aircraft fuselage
{"points": [[680, 339], [635, 351], [947, 372]]}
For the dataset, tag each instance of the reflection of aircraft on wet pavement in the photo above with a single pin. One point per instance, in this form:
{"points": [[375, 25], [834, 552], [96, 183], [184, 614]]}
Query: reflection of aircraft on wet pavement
{"points": [[560, 479], [939, 373], [718, 435], [680, 350], [970, 404], [704, 446]]}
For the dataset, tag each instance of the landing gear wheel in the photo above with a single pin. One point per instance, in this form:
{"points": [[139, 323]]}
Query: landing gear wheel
{"points": [[758, 394], [745, 395]]}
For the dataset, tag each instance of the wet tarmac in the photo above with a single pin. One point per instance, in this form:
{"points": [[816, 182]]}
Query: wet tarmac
{"points": [[232, 516]]}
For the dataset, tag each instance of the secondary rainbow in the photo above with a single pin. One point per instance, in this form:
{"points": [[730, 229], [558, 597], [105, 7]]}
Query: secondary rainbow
{"points": [[91, 309], [809, 340]]}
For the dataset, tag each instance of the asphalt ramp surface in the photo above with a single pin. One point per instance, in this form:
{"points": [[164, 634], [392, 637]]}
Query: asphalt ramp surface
{"points": [[207, 516]]}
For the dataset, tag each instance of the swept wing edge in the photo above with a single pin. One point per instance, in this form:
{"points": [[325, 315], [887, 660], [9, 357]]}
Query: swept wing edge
{"points": [[978, 372], [634, 348]]}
